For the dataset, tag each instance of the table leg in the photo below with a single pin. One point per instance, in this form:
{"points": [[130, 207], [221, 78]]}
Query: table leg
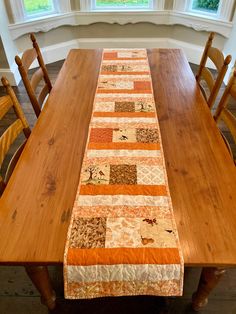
{"points": [[40, 277], [209, 279]]}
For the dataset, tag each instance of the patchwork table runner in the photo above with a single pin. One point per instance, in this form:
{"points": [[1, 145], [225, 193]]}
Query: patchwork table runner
{"points": [[122, 238]]}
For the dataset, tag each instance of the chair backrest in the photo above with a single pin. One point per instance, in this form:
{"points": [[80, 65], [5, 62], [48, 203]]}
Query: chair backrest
{"points": [[31, 85], [12, 132], [223, 113], [221, 64]]}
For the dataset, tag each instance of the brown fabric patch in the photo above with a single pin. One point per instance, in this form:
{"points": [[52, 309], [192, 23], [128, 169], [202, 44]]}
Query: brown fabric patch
{"points": [[109, 68], [87, 233], [124, 106], [147, 136], [123, 174]]}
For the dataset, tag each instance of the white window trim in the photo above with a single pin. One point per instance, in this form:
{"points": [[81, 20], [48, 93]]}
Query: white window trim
{"points": [[88, 6], [18, 10], [223, 14]]}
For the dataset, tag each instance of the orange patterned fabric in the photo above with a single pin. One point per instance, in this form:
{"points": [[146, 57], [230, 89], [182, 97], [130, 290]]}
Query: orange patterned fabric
{"points": [[122, 238]]}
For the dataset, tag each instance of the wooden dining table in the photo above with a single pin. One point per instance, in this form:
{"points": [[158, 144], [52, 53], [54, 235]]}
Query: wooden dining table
{"points": [[35, 208]]}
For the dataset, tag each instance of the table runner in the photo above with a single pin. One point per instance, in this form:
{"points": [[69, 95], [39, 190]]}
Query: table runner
{"points": [[122, 239]]}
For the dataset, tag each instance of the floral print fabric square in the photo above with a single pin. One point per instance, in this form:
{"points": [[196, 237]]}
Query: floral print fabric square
{"points": [[122, 238]]}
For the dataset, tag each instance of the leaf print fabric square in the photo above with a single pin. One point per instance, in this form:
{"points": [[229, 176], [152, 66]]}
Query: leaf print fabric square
{"points": [[123, 174], [147, 135], [87, 233]]}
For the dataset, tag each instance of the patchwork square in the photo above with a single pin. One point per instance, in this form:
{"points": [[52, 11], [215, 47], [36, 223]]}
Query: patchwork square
{"points": [[124, 106], [157, 233], [147, 135], [144, 106], [100, 135], [142, 85], [123, 174], [124, 135], [104, 106], [123, 232], [87, 233], [109, 68], [115, 84], [94, 174], [150, 175]]}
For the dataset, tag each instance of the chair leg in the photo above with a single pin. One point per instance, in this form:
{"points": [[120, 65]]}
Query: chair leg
{"points": [[40, 277], [209, 279]]}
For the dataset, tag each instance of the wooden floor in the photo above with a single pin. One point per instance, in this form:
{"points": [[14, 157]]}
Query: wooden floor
{"points": [[18, 296]]}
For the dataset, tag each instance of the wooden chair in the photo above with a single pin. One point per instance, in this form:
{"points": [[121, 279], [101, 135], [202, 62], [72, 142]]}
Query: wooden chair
{"points": [[31, 85], [221, 64], [222, 113], [12, 132]]}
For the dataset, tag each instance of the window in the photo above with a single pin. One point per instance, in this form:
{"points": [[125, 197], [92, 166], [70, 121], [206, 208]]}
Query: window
{"points": [[24, 10], [205, 6], [122, 4], [212, 9], [33, 8]]}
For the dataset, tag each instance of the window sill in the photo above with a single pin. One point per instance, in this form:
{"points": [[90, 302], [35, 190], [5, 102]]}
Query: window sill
{"points": [[165, 17]]}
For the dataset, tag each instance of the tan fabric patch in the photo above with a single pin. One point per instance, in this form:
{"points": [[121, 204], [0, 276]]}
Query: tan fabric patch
{"points": [[124, 135], [144, 106], [157, 233], [93, 174], [123, 232]]}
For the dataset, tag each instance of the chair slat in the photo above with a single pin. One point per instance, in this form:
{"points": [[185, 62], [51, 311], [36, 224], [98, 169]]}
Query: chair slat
{"points": [[216, 57], [9, 137], [233, 91], [36, 78], [44, 92], [230, 120], [5, 105], [208, 78], [223, 113], [28, 58]]}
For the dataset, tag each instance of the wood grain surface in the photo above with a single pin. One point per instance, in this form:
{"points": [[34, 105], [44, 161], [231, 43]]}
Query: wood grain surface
{"points": [[200, 170], [34, 215], [36, 205]]}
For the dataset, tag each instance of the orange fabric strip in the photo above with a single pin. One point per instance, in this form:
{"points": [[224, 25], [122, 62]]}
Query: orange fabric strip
{"points": [[118, 145], [124, 73], [107, 189], [124, 91], [125, 114], [121, 59], [110, 256]]}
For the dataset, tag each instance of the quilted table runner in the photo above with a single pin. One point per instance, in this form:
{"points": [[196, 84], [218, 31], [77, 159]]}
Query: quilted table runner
{"points": [[122, 238]]}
